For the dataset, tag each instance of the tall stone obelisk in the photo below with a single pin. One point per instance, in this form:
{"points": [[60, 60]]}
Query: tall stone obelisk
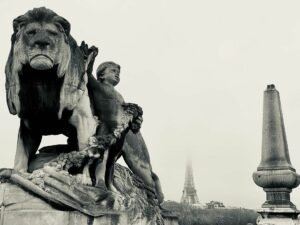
{"points": [[275, 173], [189, 193]]}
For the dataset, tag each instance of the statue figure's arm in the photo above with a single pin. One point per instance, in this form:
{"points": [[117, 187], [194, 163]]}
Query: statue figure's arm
{"points": [[92, 53], [92, 82]]}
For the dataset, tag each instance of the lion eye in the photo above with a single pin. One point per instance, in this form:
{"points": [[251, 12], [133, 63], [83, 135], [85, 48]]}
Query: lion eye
{"points": [[53, 33], [31, 32]]}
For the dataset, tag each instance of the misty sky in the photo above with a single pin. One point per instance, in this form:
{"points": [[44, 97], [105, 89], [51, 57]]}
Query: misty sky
{"points": [[198, 69]]}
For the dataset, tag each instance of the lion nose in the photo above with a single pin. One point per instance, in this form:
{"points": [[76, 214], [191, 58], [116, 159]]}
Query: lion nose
{"points": [[41, 44], [41, 41]]}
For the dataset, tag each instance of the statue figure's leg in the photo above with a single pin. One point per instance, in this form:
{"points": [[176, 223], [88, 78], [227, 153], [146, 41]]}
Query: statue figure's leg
{"points": [[101, 170], [27, 145], [101, 165], [114, 153], [158, 189], [136, 156]]}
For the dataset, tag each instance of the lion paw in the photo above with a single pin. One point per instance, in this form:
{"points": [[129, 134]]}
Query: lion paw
{"points": [[83, 179]]}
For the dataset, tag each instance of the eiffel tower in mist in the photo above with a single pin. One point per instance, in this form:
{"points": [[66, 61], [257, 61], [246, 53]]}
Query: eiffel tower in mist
{"points": [[189, 193]]}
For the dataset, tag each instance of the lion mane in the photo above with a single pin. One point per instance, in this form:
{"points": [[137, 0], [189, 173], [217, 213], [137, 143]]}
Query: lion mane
{"points": [[69, 61]]}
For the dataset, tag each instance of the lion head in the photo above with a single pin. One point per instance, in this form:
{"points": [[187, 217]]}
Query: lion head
{"points": [[41, 45]]}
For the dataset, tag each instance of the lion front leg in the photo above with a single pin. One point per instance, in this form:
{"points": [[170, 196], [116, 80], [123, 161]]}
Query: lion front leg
{"points": [[85, 123], [27, 145]]}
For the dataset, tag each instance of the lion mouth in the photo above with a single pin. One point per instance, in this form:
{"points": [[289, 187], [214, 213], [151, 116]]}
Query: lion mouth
{"points": [[41, 62], [42, 56], [35, 75]]}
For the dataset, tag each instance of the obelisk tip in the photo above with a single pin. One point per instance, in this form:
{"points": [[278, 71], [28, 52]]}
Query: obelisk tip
{"points": [[271, 87]]}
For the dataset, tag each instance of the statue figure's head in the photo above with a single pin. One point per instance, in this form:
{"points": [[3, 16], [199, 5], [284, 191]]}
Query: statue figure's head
{"points": [[110, 72]]}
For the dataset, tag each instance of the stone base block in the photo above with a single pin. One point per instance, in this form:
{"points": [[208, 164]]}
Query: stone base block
{"points": [[277, 221], [19, 207], [36, 217], [278, 216]]}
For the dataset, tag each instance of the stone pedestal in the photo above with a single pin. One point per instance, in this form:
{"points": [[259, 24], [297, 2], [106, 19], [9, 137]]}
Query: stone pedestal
{"points": [[276, 221], [45, 217], [19, 207], [278, 216], [284, 213]]}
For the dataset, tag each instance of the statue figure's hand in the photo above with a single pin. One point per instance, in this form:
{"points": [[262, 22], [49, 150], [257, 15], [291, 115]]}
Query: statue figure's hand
{"points": [[92, 53], [93, 50], [84, 48]]}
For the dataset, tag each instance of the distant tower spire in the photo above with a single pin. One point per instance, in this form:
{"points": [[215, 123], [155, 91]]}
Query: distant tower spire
{"points": [[189, 194]]}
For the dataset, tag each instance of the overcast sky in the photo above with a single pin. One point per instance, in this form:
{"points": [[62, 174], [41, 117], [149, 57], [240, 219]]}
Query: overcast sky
{"points": [[198, 69]]}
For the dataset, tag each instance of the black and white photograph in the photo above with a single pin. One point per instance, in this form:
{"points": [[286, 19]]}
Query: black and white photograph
{"points": [[139, 112]]}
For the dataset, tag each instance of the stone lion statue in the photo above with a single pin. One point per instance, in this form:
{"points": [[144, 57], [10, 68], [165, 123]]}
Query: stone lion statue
{"points": [[46, 86]]}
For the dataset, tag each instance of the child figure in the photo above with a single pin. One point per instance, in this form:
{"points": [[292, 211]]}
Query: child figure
{"points": [[108, 107], [116, 118], [106, 99]]}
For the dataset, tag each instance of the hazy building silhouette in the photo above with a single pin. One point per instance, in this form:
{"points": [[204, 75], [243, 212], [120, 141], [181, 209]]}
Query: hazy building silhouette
{"points": [[189, 193], [214, 205]]}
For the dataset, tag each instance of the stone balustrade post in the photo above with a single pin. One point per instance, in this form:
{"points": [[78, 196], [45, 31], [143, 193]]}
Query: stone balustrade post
{"points": [[275, 173]]}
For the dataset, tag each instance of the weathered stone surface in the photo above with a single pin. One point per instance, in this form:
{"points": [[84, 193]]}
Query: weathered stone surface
{"points": [[140, 206], [22, 207]]}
